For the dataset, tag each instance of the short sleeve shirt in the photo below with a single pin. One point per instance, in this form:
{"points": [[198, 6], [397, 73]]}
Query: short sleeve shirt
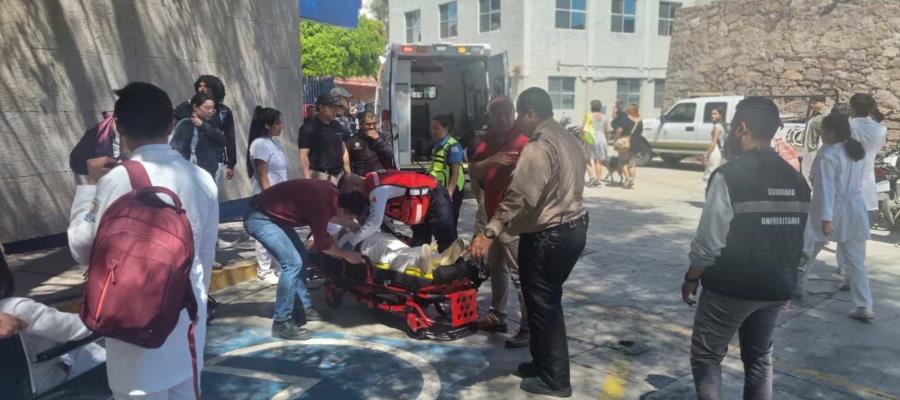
{"points": [[454, 154], [268, 150], [325, 144]]}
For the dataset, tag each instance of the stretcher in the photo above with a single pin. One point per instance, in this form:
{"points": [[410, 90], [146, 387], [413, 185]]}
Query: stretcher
{"points": [[438, 302]]}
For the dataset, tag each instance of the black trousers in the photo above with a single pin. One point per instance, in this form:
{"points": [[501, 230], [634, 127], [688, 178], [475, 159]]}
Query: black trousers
{"points": [[545, 260], [439, 221], [457, 200]]}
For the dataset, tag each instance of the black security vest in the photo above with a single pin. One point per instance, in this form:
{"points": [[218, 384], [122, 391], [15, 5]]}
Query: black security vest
{"points": [[765, 240]]}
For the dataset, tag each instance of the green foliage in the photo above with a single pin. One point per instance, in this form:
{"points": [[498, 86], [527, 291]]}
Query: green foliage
{"points": [[328, 50], [379, 9]]}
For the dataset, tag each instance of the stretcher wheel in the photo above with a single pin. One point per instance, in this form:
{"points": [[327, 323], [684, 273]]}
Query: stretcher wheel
{"points": [[418, 335]]}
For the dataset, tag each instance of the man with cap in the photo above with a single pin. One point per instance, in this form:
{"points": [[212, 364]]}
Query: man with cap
{"points": [[814, 125], [320, 141], [347, 121]]}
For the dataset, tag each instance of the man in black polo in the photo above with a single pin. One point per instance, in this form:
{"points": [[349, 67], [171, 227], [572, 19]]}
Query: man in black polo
{"points": [[368, 151], [323, 155], [746, 253]]}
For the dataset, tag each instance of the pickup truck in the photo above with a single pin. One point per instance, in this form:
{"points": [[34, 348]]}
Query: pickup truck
{"points": [[685, 130]]}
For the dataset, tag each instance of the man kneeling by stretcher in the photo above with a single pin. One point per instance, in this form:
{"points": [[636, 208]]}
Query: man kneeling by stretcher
{"points": [[408, 197]]}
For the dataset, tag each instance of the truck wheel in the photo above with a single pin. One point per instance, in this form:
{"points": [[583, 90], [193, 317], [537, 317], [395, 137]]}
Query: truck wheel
{"points": [[643, 153], [890, 211], [671, 160]]}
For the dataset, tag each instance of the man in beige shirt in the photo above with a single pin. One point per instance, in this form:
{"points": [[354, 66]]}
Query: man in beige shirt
{"points": [[543, 205]]}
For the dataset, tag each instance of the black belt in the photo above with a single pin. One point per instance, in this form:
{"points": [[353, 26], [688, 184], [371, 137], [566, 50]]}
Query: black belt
{"points": [[576, 223]]}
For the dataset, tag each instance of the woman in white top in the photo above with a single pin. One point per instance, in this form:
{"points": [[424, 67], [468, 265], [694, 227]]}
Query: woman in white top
{"points": [[713, 156], [267, 166], [838, 212]]}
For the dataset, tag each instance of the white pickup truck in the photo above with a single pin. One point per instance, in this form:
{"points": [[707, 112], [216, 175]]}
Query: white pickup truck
{"points": [[685, 130]]}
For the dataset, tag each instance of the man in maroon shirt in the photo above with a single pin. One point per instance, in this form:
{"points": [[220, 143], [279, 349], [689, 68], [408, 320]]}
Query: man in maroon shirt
{"points": [[271, 220], [493, 163]]}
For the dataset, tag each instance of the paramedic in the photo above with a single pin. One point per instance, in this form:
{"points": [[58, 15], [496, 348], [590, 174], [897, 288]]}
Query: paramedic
{"points": [[386, 200], [446, 160], [543, 205], [271, 219]]}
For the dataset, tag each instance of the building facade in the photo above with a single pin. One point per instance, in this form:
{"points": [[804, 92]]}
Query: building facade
{"points": [[579, 50]]}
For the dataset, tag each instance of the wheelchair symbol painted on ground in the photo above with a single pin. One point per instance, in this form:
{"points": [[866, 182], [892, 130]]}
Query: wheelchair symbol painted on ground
{"points": [[320, 368]]}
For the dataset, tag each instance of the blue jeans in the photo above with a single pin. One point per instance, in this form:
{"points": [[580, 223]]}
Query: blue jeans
{"points": [[285, 245]]}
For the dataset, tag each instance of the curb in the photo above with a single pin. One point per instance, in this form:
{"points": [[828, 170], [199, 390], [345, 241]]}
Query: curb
{"points": [[232, 274]]}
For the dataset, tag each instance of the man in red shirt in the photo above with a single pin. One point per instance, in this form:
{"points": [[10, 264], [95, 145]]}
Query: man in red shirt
{"points": [[493, 163], [271, 220]]}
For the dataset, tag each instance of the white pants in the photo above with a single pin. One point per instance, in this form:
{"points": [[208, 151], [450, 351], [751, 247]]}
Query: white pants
{"points": [[182, 391], [713, 162], [851, 257], [264, 260]]}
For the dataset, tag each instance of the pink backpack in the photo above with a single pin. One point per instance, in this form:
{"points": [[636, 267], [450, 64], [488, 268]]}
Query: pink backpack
{"points": [[138, 279]]}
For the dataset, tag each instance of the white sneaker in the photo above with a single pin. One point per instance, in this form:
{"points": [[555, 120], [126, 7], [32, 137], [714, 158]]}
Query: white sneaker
{"points": [[222, 244], [863, 314], [268, 278]]}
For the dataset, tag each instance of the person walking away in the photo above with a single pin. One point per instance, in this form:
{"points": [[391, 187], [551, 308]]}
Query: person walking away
{"points": [[267, 165], [271, 219], [543, 205], [368, 151], [600, 123], [143, 118], [44, 328], [713, 156], [590, 150], [493, 163], [873, 136], [446, 161], [196, 139], [838, 212], [223, 119], [323, 155], [388, 192], [630, 128], [746, 253]]}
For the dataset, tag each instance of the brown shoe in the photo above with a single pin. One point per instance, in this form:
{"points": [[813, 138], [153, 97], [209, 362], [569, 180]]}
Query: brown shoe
{"points": [[522, 339], [491, 322]]}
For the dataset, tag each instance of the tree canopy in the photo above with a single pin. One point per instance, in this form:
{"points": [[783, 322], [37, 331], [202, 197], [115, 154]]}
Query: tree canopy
{"points": [[332, 51]]}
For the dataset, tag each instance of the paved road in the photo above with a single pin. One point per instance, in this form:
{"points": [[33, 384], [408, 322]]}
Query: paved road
{"points": [[625, 289]]}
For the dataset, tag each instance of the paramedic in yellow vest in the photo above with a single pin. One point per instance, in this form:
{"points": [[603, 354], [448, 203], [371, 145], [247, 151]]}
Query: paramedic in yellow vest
{"points": [[446, 161]]}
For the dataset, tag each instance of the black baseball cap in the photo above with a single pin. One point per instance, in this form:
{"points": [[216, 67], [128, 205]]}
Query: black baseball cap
{"points": [[327, 100]]}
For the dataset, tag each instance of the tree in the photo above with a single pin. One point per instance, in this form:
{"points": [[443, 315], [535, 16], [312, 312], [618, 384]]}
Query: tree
{"points": [[331, 51], [379, 8]]}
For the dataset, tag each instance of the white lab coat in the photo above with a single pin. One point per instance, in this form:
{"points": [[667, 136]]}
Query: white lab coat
{"points": [[873, 136], [48, 328], [130, 367], [837, 197]]}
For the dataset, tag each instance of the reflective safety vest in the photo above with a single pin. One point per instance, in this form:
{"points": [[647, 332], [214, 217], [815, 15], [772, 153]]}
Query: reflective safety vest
{"points": [[411, 208], [439, 168]]}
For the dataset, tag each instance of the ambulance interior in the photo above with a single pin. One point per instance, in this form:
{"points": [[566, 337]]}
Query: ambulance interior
{"points": [[456, 86]]}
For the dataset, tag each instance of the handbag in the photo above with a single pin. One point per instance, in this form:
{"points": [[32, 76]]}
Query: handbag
{"points": [[624, 143]]}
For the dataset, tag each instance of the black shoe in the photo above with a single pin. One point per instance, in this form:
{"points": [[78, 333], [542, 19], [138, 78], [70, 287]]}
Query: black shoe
{"points": [[528, 370], [290, 331], [312, 315], [536, 385], [522, 339]]}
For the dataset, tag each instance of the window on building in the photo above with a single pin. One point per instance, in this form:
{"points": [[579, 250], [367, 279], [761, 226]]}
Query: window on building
{"points": [[423, 92], [659, 89], [562, 92], [667, 17], [489, 15], [624, 13], [571, 14], [448, 20], [628, 91], [413, 27], [682, 112], [708, 109]]}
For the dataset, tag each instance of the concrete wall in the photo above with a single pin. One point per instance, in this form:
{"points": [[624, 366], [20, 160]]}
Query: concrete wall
{"points": [[596, 56], [740, 46], [62, 59]]}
